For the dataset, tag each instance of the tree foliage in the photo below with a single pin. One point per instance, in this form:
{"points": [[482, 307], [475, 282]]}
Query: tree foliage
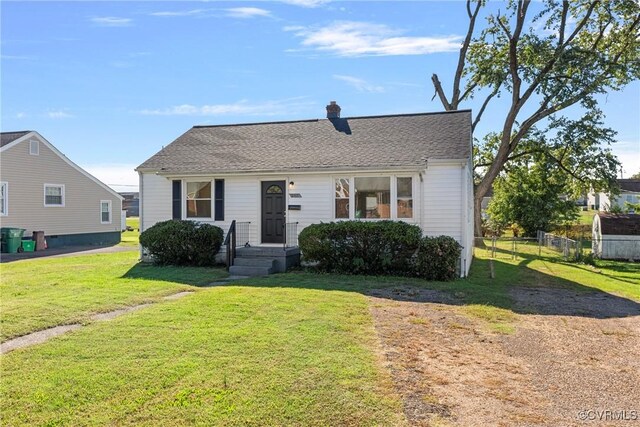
{"points": [[528, 196], [543, 62]]}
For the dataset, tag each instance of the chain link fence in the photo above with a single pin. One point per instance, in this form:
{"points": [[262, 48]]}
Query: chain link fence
{"points": [[549, 245]]}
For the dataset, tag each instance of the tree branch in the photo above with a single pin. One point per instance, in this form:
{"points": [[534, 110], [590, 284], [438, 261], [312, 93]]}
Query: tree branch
{"points": [[440, 92], [455, 96], [484, 106]]}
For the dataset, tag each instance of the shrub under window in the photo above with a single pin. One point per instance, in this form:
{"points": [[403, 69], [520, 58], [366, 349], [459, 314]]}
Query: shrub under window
{"points": [[179, 242]]}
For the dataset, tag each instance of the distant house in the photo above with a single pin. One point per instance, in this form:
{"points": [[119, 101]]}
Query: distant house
{"points": [[629, 192], [42, 190], [277, 178], [131, 202], [616, 236]]}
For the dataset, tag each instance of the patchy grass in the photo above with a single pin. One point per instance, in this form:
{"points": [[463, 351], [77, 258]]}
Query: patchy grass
{"points": [[41, 293], [224, 356], [131, 238]]}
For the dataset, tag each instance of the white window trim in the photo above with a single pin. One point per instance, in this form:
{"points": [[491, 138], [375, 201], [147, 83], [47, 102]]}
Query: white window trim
{"points": [[45, 195], [185, 213], [110, 212], [393, 195], [5, 212], [37, 145]]}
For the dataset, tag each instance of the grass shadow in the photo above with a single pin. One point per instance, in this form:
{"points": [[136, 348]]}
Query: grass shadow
{"points": [[194, 276], [516, 287]]}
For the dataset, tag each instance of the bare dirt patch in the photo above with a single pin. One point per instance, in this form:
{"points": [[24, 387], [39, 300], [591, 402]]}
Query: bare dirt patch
{"points": [[451, 369]]}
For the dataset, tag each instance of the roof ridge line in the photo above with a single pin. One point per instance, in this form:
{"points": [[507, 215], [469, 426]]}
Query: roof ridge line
{"points": [[431, 113]]}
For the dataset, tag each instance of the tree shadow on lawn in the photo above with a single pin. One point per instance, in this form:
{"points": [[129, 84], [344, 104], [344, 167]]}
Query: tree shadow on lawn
{"points": [[518, 288]]}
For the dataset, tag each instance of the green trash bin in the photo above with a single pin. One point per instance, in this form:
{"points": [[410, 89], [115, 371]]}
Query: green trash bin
{"points": [[11, 239]]}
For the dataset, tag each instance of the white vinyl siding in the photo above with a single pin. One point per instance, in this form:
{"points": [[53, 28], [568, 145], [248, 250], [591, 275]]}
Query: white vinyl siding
{"points": [[105, 212], [4, 198], [54, 195], [156, 200], [442, 202]]}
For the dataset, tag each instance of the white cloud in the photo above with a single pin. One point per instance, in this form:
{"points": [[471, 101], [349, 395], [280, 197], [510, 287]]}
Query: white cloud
{"points": [[306, 3], [349, 38], [359, 84], [243, 107], [59, 114], [192, 12], [112, 21], [234, 12], [247, 12], [21, 115], [119, 176]]}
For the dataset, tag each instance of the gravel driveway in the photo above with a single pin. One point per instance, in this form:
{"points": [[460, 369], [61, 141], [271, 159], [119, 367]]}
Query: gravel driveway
{"points": [[554, 370]]}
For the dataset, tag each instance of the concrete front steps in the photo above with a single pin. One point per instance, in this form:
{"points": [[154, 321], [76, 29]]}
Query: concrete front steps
{"points": [[261, 261]]}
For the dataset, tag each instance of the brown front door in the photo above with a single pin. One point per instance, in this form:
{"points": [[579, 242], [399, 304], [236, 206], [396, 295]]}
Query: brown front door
{"points": [[273, 195]]}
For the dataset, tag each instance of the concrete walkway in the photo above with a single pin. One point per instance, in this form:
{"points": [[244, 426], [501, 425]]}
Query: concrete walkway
{"points": [[66, 252], [45, 335]]}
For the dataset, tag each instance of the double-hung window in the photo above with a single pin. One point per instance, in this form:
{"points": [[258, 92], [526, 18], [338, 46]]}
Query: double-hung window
{"points": [[54, 195], [342, 198], [199, 199], [404, 197], [105, 211], [4, 198]]}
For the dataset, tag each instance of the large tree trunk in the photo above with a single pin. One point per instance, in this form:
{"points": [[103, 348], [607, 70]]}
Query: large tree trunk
{"points": [[477, 216]]}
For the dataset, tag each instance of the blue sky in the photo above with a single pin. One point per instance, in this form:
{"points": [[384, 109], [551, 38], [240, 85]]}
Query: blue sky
{"points": [[110, 83]]}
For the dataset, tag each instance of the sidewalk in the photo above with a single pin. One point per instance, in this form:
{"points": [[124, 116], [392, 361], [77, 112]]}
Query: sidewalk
{"points": [[66, 252]]}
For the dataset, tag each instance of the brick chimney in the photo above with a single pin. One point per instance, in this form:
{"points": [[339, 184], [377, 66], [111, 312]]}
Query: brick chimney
{"points": [[333, 110]]}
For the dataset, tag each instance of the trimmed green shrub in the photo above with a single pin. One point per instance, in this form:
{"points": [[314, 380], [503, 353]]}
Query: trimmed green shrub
{"points": [[437, 258], [177, 242], [360, 247]]}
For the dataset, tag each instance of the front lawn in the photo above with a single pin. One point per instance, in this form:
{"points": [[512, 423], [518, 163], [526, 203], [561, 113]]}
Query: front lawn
{"points": [[41, 293], [223, 356], [289, 349]]}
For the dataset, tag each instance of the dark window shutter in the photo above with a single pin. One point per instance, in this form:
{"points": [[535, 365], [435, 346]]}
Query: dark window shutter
{"points": [[177, 199], [219, 205]]}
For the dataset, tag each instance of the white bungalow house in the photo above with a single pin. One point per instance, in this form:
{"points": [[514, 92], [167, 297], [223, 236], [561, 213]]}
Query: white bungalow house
{"points": [[274, 179], [42, 190], [629, 192]]}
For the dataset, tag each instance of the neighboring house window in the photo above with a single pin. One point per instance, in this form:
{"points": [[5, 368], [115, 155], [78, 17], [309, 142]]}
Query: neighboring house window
{"points": [[105, 211], [4, 198], [53, 195], [373, 197], [404, 188], [342, 198], [199, 199], [34, 147]]}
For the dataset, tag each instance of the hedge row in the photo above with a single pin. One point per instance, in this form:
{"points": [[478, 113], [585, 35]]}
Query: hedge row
{"points": [[177, 242], [379, 248]]}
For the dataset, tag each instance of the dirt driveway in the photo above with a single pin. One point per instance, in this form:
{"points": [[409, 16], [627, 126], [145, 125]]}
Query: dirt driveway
{"points": [[571, 362]]}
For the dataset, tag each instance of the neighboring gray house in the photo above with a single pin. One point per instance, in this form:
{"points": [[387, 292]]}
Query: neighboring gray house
{"points": [[616, 236], [277, 178], [42, 190], [629, 192]]}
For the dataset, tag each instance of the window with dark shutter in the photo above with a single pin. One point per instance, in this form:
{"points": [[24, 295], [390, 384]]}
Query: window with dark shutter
{"points": [[219, 200], [177, 199]]}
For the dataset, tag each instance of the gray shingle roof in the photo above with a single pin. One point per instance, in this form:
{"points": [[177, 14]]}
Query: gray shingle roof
{"points": [[348, 143], [632, 185], [8, 137]]}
